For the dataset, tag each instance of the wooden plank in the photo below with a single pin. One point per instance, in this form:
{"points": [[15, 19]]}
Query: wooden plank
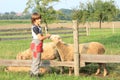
{"points": [[45, 63], [15, 62], [19, 38], [84, 58], [15, 29], [62, 32], [22, 38], [50, 29], [66, 32], [100, 58], [24, 31]]}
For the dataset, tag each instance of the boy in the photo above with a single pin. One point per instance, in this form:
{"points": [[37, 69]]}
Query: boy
{"points": [[37, 43]]}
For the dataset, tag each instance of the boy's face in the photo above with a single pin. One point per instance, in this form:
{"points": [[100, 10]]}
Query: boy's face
{"points": [[37, 22]]}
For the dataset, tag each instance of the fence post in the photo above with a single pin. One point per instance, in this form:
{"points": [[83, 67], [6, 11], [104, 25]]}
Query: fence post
{"points": [[76, 48]]}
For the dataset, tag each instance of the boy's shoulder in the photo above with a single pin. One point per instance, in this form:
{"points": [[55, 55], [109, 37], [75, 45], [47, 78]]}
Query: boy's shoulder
{"points": [[36, 28]]}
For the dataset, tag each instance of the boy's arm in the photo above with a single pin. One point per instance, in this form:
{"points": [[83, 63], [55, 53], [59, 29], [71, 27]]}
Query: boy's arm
{"points": [[41, 37]]}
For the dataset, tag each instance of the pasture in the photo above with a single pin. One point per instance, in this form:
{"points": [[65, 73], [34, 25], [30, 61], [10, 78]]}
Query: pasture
{"points": [[9, 50]]}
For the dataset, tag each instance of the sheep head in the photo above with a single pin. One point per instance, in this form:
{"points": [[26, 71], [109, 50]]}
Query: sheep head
{"points": [[55, 38]]}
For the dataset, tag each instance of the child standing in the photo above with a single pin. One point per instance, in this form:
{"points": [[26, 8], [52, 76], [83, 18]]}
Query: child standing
{"points": [[37, 43]]}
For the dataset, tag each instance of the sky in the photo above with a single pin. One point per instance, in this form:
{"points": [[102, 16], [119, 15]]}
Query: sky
{"points": [[19, 5]]}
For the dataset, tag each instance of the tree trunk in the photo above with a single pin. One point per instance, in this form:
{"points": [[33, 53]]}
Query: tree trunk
{"points": [[46, 27], [100, 22]]}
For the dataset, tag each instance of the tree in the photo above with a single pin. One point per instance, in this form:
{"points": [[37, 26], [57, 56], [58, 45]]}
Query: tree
{"points": [[65, 14], [81, 14], [97, 11], [104, 11], [43, 7]]}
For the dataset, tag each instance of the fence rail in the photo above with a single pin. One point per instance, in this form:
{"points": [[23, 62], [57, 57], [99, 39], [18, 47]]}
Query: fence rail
{"points": [[44, 63], [83, 59], [7, 34]]}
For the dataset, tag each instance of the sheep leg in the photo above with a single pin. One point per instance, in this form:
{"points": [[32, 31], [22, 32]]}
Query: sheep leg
{"points": [[70, 71], [98, 70], [59, 59], [61, 70], [105, 70]]}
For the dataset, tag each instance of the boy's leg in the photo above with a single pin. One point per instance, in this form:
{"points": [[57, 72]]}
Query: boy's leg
{"points": [[35, 63]]}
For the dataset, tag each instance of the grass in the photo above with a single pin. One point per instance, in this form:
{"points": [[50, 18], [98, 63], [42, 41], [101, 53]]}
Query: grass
{"points": [[52, 76], [9, 50], [9, 22]]}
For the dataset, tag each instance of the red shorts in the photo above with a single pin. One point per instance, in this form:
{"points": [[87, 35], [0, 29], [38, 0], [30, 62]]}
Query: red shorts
{"points": [[36, 48]]}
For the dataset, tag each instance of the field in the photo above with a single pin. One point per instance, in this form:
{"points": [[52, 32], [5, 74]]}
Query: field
{"points": [[9, 50]]}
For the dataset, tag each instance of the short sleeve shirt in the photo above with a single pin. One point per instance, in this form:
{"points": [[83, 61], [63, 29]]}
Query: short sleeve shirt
{"points": [[35, 31]]}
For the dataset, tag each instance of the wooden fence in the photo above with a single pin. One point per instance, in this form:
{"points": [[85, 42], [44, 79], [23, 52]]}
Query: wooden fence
{"points": [[25, 33], [83, 59]]}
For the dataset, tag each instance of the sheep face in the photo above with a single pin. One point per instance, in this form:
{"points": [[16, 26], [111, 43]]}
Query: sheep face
{"points": [[55, 38]]}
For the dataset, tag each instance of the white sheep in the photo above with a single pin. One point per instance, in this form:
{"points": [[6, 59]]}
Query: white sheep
{"points": [[66, 51]]}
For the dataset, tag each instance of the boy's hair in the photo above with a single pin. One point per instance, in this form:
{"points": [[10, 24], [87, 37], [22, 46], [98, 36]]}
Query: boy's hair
{"points": [[35, 16]]}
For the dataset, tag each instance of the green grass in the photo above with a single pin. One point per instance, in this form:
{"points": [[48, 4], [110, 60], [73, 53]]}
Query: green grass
{"points": [[52, 76], [9, 22], [9, 50], [16, 36]]}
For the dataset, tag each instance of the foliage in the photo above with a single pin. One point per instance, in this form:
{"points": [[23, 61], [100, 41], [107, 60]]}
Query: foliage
{"points": [[66, 14], [14, 15], [81, 14], [44, 8], [104, 11], [97, 11]]}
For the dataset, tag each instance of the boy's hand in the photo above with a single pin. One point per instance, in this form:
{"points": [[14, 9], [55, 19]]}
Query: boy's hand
{"points": [[48, 35]]}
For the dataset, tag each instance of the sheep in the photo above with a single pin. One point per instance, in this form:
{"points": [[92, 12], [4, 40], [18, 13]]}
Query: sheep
{"points": [[25, 55], [49, 53], [66, 51], [23, 69]]}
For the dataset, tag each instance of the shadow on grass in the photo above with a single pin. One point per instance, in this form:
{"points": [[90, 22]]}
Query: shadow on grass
{"points": [[90, 69]]}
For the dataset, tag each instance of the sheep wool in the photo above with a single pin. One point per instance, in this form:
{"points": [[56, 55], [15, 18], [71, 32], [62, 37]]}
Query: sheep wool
{"points": [[66, 51], [49, 53]]}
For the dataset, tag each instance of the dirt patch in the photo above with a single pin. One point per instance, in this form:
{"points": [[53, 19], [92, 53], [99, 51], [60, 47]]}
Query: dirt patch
{"points": [[11, 26]]}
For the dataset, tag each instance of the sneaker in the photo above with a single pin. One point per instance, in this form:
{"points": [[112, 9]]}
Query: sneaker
{"points": [[34, 75], [31, 74], [37, 77]]}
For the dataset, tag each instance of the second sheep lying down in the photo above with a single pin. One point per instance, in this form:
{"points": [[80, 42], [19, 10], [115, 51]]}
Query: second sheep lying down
{"points": [[49, 53], [66, 51]]}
